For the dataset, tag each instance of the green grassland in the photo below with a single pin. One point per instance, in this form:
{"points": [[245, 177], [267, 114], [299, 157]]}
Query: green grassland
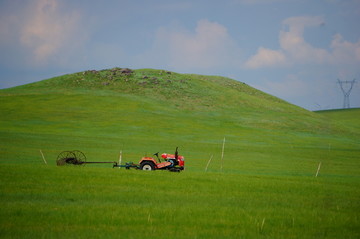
{"points": [[265, 186], [348, 118]]}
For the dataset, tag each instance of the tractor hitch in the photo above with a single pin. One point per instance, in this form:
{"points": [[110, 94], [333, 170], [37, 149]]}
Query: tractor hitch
{"points": [[126, 165]]}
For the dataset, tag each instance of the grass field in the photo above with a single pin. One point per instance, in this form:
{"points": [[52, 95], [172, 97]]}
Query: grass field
{"points": [[266, 188]]}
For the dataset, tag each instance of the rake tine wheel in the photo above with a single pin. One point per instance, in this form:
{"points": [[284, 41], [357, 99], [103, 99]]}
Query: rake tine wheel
{"points": [[80, 157], [65, 157], [75, 157]]}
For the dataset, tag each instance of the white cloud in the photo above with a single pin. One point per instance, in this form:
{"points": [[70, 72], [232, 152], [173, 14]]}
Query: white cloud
{"points": [[46, 31], [294, 44], [344, 51], [295, 50], [266, 57], [41, 32], [210, 46]]}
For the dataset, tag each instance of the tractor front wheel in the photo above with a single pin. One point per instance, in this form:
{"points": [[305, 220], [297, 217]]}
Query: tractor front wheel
{"points": [[147, 166]]}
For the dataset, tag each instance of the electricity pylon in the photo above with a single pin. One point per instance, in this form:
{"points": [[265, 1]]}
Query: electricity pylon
{"points": [[346, 92]]}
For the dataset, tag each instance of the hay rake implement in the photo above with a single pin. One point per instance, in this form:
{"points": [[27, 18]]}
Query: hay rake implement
{"points": [[171, 162]]}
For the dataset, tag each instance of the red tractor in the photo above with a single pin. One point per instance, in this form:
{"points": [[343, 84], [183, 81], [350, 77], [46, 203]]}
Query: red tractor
{"points": [[171, 162]]}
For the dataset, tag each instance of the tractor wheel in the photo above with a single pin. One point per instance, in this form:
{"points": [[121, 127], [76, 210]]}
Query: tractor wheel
{"points": [[172, 161], [147, 166]]}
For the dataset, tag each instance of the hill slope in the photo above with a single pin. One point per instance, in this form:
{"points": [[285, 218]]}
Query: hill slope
{"points": [[168, 91], [181, 90]]}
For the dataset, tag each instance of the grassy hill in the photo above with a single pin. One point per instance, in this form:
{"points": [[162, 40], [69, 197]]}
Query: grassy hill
{"points": [[265, 188], [349, 118]]}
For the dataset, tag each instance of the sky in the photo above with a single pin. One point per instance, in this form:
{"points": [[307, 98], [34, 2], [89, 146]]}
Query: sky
{"points": [[296, 50]]}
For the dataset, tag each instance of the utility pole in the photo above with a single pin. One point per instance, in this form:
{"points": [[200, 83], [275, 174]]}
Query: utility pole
{"points": [[346, 92]]}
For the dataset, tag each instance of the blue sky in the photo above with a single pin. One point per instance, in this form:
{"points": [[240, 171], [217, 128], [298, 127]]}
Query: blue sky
{"points": [[293, 49]]}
